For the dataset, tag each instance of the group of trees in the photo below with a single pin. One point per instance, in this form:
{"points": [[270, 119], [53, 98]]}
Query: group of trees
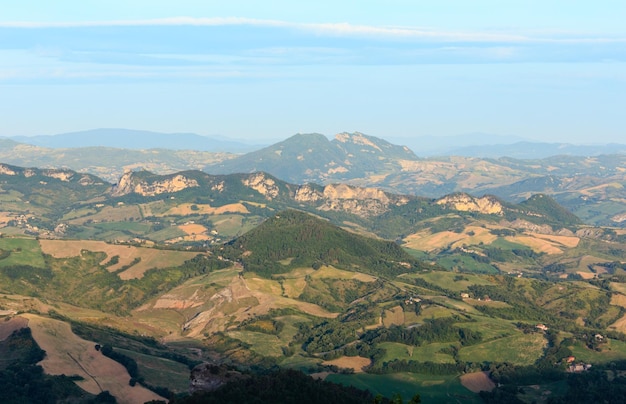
{"points": [[432, 330]]}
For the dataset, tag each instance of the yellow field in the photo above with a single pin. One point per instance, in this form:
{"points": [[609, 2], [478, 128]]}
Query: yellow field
{"points": [[393, 316], [424, 241], [619, 287], [567, 241], [539, 245], [619, 325], [294, 287], [481, 235], [185, 209], [150, 257], [618, 300], [5, 217], [68, 354], [193, 228], [357, 363], [477, 382], [195, 232]]}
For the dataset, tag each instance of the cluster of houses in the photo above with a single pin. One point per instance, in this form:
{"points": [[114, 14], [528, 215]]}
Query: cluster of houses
{"points": [[412, 300], [485, 298], [573, 367]]}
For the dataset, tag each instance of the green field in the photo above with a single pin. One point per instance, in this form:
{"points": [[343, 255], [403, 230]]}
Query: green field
{"points": [[133, 227], [299, 362], [466, 263], [613, 350], [261, 343], [426, 353], [160, 371], [22, 251], [519, 349], [432, 389], [490, 328], [539, 393], [167, 234]]}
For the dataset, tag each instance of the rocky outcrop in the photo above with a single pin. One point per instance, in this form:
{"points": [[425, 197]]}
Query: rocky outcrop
{"points": [[467, 203], [306, 193], [365, 202], [59, 174], [262, 184], [344, 191], [6, 170], [363, 208], [128, 184]]}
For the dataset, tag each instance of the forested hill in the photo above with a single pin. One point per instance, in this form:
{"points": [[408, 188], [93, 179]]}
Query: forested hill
{"points": [[294, 239]]}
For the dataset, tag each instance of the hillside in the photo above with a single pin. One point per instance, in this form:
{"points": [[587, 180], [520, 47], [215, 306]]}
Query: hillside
{"points": [[301, 240], [589, 186], [389, 292], [300, 293]]}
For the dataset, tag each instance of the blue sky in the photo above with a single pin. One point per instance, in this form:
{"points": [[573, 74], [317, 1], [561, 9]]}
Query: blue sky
{"points": [[257, 70]]}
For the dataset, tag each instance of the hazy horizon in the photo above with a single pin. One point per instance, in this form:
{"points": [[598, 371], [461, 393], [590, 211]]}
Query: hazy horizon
{"points": [[267, 70]]}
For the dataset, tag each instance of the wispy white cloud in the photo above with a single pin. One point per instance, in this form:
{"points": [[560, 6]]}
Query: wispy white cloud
{"points": [[338, 29]]}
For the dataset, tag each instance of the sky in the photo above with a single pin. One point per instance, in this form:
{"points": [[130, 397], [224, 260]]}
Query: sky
{"points": [[258, 70]]}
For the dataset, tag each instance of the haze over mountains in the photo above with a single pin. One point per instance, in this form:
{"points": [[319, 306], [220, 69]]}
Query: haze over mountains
{"points": [[473, 144], [136, 140]]}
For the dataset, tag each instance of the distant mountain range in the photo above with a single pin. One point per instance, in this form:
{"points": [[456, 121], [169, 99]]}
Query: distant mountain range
{"points": [[136, 140], [469, 145]]}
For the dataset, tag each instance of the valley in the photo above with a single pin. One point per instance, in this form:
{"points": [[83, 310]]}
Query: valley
{"points": [[356, 285]]}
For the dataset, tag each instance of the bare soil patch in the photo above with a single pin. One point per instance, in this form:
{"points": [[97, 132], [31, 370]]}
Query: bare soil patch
{"points": [[7, 327], [477, 382], [68, 354], [357, 363], [239, 299]]}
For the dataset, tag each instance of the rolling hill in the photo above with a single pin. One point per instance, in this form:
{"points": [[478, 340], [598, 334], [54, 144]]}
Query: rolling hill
{"points": [[298, 292]]}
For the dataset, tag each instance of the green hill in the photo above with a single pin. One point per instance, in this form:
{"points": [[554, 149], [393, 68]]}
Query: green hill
{"points": [[305, 240], [549, 209], [313, 158]]}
